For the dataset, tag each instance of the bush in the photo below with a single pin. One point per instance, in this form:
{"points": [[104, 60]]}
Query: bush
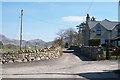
{"points": [[94, 42]]}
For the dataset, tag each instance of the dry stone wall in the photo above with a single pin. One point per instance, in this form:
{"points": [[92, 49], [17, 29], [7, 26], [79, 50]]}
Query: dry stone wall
{"points": [[92, 52], [31, 55]]}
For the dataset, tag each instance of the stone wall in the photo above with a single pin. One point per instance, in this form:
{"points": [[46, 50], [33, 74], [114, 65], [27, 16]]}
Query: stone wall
{"points": [[91, 52], [31, 55]]}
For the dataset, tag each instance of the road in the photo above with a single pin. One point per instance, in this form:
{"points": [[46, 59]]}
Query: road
{"points": [[67, 66]]}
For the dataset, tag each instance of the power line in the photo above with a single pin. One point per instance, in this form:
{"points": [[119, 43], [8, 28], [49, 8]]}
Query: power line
{"points": [[91, 3]]}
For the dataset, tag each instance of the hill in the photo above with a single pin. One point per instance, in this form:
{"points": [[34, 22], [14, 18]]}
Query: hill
{"points": [[39, 42]]}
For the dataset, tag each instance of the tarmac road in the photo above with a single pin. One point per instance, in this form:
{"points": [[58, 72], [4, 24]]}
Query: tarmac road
{"points": [[67, 66]]}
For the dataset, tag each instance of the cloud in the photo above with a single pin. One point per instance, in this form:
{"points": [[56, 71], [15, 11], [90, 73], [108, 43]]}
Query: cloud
{"points": [[74, 18]]}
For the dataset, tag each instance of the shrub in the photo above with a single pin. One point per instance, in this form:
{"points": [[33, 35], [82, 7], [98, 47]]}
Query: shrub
{"points": [[94, 42]]}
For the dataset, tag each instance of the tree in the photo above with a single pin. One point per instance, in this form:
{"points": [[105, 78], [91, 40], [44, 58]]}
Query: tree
{"points": [[81, 33], [70, 36], [67, 37], [10, 46], [59, 41], [60, 34]]}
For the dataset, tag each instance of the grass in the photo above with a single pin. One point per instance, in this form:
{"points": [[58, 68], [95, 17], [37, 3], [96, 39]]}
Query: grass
{"points": [[17, 49], [10, 50], [112, 56], [104, 53]]}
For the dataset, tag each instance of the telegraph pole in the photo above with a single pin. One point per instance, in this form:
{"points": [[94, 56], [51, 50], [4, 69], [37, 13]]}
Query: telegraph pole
{"points": [[119, 12], [21, 31]]}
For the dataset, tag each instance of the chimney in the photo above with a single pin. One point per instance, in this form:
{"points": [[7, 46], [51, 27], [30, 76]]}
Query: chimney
{"points": [[93, 19], [87, 18]]}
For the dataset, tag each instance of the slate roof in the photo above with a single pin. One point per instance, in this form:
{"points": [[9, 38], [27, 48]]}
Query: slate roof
{"points": [[91, 24], [109, 25]]}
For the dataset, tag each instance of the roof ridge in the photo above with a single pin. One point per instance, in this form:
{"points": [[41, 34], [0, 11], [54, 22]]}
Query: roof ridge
{"points": [[95, 21], [110, 21], [106, 20]]}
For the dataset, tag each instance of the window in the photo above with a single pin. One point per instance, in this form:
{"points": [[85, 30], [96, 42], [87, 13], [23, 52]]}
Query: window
{"points": [[98, 31], [118, 31], [118, 43]]}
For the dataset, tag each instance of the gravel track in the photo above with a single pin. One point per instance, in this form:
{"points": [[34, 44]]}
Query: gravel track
{"points": [[67, 66]]}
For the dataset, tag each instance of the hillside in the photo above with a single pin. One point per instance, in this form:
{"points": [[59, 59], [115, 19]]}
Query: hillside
{"points": [[39, 42]]}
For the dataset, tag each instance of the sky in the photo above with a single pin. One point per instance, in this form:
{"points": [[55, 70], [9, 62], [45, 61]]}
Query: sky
{"points": [[44, 19]]}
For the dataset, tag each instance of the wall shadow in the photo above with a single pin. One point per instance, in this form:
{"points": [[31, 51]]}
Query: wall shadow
{"points": [[100, 76]]}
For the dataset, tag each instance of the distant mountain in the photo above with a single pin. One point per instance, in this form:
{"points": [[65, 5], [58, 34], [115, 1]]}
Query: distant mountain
{"points": [[6, 40], [32, 42], [49, 43], [37, 42]]}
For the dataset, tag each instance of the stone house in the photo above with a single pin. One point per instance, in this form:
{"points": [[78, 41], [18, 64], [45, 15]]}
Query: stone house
{"points": [[104, 30]]}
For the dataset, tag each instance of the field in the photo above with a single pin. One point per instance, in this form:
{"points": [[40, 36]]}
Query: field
{"points": [[15, 49]]}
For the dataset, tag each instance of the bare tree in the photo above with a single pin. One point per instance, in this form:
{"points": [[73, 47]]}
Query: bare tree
{"points": [[70, 36], [61, 33], [59, 41]]}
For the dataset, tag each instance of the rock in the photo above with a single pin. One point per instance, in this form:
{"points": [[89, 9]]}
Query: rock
{"points": [[32, 58], [47, 57], [4, 61], [42, 57], [24, 60], [18, 60], [31, 55], [38, 58], [10, 61]]}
